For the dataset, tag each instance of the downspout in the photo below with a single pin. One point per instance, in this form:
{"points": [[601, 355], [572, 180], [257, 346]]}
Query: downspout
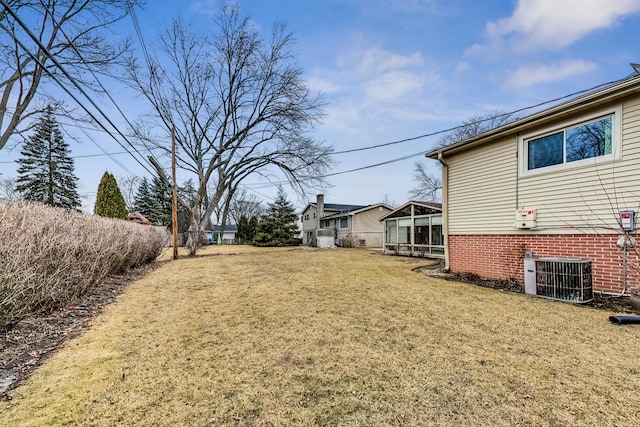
{"points": [[445, 208], [517, 171]]}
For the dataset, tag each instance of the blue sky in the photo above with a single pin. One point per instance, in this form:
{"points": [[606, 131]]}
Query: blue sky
{"points": [[396, 69]]}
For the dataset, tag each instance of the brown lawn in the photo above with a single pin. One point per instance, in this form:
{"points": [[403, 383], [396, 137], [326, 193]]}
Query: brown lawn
{"points": [[246, 336]]}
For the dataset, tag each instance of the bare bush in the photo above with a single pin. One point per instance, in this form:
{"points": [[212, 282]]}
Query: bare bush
{"points": [[351, 241], [50, 255]]}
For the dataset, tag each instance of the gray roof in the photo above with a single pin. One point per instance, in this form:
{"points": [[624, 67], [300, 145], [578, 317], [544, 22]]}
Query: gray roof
{"points": [[336, 208], [356, 211], [342, 208], [231, 228]]}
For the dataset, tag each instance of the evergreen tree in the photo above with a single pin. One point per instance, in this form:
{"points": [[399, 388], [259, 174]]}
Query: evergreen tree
{"points": [[252, 229], [279, 226], [46, 171], [153, 200], [143, 199], [243, 230], [186, 192], [161, 196], [109, 200]]}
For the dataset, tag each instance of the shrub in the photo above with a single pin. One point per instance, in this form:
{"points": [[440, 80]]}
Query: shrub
{"points": [[109, 200], [50, 255], [351, 241]]}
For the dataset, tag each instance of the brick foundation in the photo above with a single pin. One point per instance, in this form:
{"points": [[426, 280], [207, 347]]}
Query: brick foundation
{"points": [[502, 256]]}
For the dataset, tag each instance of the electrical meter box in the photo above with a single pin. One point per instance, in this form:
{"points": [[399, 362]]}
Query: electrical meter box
{"points": [[628, 220], [525, 218]]}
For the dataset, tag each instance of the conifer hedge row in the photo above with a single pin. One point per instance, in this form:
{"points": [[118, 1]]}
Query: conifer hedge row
{"points": [[50, 255]]}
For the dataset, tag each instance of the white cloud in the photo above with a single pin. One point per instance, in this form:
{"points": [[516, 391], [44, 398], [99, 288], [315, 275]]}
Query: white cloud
{"points": [[368, 89], [533, 74], [462, 68], [376, 60], [553, 24], [205, 7]]}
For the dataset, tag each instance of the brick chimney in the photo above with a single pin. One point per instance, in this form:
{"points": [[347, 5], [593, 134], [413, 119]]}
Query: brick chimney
{"points": [[320, 209]]}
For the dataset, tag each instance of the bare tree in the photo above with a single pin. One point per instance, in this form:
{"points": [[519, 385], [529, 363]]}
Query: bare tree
{"points": [[387, 201], [71, 31], [245, 204], [8, 189], [129, 186], [475, 125], [238, 106], [428, 185]]}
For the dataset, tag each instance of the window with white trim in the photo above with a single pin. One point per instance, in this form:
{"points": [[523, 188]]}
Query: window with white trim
{"points": [[344, 222], [575, 143]]}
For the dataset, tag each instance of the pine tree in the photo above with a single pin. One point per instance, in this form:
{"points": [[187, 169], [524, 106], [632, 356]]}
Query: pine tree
{"points": [[279, 226], [186, 192], [109, 200], [46, 171], [144, 201], [161, 195], [252, 229], [243, 230]]}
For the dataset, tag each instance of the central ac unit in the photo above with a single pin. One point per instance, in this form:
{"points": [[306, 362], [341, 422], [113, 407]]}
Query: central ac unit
{"points": [[564, 279]]}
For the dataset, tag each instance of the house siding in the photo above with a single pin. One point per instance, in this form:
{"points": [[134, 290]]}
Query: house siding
{"points": [[309, 225], [481, 195], [367, 226], [588, 198], [577, 208], [485, 189]]}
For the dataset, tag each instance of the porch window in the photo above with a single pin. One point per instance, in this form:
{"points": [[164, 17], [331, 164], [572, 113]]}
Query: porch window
{"points": [[404, 230], [391, 235], [437, 239], [344, 222], [421, 231]]}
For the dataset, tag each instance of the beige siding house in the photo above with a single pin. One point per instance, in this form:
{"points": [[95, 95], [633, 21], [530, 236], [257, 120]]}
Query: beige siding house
{"points": [[358, 228], [342, 224], [552, 184]]}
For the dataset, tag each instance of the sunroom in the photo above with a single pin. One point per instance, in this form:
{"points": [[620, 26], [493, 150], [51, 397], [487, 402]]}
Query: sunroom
{"points": [[414, 229]]}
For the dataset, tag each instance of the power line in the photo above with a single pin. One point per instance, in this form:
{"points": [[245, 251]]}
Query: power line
{"points": [[116, 161], [71, 79], [375, 165], [139, 34], [371, 147], [399, 159]]}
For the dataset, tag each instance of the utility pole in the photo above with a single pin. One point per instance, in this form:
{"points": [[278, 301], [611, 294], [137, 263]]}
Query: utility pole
{"points": [[174, 195]]}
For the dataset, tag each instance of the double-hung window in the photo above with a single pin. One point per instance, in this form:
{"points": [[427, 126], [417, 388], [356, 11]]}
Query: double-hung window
{"points": [[573, 144]]}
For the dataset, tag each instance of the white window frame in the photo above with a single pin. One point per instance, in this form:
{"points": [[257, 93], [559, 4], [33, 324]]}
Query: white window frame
{"points": [[340, 223], [616, 143]]}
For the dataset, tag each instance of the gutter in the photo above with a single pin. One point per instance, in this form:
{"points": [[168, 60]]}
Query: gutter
{"points": [[610, 93]]}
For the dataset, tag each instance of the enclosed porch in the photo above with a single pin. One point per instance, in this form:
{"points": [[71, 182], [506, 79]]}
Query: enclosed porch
{"points": [[414, 229]]}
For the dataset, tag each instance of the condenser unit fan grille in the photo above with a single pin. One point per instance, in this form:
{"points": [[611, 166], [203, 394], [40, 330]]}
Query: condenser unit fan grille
{"points": [[564, 279]]}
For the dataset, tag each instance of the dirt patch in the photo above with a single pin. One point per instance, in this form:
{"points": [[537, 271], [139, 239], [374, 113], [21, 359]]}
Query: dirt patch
{"points": [[25, 346], [600, 301]]}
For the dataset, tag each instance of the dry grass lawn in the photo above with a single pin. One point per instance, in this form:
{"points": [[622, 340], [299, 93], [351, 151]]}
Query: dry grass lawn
{"points": [[246, 336]]}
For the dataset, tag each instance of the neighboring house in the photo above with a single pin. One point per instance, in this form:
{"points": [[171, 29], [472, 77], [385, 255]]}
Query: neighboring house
{"points": [[215, 237], [344, 225], [552, 183], [228, 237], [138, 218], [414, 229]]}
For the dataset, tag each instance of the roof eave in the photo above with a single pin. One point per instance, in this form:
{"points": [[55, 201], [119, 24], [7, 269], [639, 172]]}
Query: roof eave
{"points": [[609, 93]]}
